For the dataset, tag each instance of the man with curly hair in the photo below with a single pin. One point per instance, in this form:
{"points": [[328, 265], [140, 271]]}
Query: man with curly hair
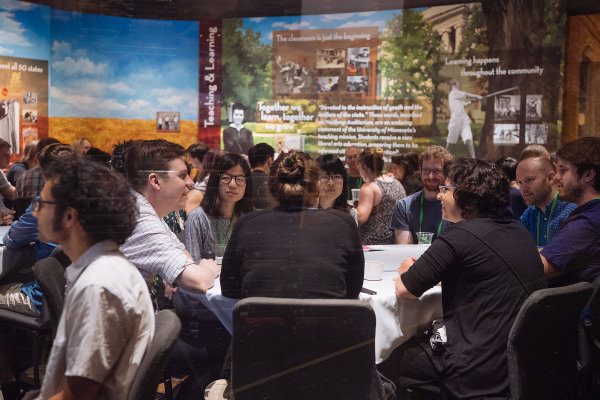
{"points": [[107, 320], [573, 254], [422, 211]]}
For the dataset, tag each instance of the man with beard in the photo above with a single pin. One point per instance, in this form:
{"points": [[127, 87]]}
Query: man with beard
{"points": [[573, 255], [422, 211], [546, 214]]}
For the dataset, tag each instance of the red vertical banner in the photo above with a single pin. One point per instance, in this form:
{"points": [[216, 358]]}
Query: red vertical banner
{"points": [[209, 87]]}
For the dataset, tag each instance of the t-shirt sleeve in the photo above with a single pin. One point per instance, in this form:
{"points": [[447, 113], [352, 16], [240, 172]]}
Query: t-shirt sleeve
{"points": [[430, 268], [400, 215], [570, 242], [95, 338], [3, 182]]}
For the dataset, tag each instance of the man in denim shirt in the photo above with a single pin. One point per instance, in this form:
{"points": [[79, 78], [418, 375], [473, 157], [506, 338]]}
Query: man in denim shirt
{"points": [[573, 255], [546, 214]]}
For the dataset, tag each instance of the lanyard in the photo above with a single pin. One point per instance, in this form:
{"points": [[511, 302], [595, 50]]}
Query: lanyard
{"points": [[222, 242], [421, 216], [547, 224]]}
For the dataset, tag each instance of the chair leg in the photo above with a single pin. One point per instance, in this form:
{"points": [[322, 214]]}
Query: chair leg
{"points": [[36, 361]]}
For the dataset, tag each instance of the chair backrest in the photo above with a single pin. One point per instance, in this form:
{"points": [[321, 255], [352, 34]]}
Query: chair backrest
{"points": [[50, 275], [150, 372], [302, 349], [542, 344]]}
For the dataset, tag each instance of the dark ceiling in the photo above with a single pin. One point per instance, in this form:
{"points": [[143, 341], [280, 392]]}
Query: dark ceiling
{"points": [[217, 9]]}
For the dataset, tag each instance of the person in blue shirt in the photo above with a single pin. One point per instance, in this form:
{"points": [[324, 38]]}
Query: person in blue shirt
{"points": [[546, 214], [422, 211], [573, 254]]}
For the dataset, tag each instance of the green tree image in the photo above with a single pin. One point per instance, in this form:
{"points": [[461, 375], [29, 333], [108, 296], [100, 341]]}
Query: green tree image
{"points": [[246, 66], [412, 59]]}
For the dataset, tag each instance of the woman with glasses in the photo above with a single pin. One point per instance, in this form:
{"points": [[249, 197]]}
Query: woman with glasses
{"points": [[487, 266], [296, 249], [333, 185], [228, 196], [376, 198]]}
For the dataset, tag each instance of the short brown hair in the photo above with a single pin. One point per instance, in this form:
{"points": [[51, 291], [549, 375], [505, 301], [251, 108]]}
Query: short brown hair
{"points": [[54, 153], [144, 157], [585, 154], [372, 157], [4, 143], [436, 152], [294, 180], [534, 150]]}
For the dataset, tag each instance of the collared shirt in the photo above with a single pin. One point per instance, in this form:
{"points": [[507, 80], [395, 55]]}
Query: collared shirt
{"points": [[30, 183], [559, 215], [152, 247], [575, 249], [106, 325]]}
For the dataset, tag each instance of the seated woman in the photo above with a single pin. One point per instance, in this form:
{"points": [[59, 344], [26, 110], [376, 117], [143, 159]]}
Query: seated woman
{"points": [[405, 167], [376, 199], [296, 249], [228, 196], [333, 185], [488, 265]]}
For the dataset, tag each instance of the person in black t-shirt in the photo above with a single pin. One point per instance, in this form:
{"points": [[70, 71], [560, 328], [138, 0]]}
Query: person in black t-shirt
{"points": [[482, 288]]}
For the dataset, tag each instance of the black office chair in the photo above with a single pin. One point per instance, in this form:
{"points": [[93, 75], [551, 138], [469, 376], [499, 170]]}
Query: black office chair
{"points": [[302, 349], [150, 371], [542, 344], [50, 275]]}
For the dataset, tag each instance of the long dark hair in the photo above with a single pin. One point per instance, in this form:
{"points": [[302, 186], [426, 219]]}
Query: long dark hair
{"points": [[211, 202], [333, 165]]}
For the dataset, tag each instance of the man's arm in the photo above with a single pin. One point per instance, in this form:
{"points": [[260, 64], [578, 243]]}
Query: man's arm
{"points": [[199, 277], [9, 192], [550, 270], [78, 388], [402, 237]]}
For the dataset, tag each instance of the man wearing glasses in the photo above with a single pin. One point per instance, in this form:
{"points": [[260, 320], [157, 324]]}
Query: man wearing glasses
{"points": [[107, 320], [422, 211]]}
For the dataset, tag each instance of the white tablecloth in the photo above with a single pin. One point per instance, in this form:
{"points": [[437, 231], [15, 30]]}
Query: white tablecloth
{"points": [[397, 319]]}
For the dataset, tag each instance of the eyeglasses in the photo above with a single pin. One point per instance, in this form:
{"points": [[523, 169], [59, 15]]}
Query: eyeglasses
{"points": [[36, 203], [436, 171], [334, 178], [240, 180], [444, 189]]}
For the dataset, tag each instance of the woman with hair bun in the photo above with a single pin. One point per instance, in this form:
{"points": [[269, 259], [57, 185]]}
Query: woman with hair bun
{"points": [[295, 250], [376, 198]]}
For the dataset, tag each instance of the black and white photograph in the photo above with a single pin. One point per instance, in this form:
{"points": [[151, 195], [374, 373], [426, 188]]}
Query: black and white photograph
{"points": [[507, 108], [357, 84], [30, 98], [9, 122], [330, 58], [536, 134], [358, 57], [30, 116], [533, 110], [506, 134], [327, 84], [291, 77], [167, 121]]}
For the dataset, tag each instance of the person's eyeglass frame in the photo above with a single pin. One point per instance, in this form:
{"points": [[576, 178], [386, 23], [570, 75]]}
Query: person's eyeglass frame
{"points": [[444, 189], [436, 171], [335, 178], [240, 180], [37, 202]]}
